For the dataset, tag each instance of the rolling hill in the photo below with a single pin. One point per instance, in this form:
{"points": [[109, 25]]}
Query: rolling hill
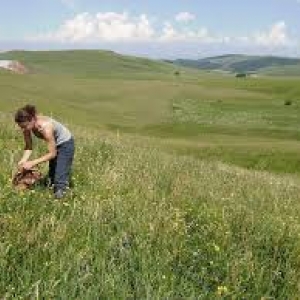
{"points": [[102, 63], [234, 63], [88, 63], [183, 188]]}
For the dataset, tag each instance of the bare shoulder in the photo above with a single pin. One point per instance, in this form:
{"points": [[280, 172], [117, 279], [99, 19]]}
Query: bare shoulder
{"points": [[45, 128], [44, 123]]}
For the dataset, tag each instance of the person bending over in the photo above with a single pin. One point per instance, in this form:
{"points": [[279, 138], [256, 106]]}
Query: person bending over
{"points": [[60, 144]]}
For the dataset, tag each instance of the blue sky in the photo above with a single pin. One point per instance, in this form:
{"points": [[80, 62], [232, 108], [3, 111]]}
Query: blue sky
{"points": [[159, 29]]}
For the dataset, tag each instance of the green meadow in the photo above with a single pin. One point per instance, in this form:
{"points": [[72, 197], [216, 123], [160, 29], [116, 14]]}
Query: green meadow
{"points": [[185, 183]]}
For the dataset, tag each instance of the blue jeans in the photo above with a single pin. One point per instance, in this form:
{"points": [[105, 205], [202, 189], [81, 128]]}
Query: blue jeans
{"points": [[60, 166]]}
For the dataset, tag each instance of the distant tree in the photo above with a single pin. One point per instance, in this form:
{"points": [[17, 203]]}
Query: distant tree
{"points": [[241, 75], [288, 102], [176, 73]]}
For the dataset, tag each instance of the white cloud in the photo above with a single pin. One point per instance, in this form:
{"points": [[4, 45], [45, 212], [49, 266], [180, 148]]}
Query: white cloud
{"points": [[111, 29], [276, 36], [107, 26], [170, 34], [116, 27], [184, 17]]}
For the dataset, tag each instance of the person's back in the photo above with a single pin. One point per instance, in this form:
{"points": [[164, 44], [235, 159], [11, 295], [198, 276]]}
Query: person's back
{"points": [[61, 133]]}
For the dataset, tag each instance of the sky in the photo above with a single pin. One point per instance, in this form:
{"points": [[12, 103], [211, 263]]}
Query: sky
{"points": [[166, 29]]}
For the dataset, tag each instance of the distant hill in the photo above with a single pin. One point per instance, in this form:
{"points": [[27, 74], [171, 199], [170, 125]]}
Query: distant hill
{"points": [[101, 63], [89, 63], [235, 63]]}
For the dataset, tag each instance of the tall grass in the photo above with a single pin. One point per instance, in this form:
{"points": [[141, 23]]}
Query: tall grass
{"points": [[184, 186], [241, 122], [140, 223]]}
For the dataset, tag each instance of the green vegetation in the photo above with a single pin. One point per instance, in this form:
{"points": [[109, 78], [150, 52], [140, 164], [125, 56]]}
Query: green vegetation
{"points": [[185, 187], [270, 65], [90, 63]]}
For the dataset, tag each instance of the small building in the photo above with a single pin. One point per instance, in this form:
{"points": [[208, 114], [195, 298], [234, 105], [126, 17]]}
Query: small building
{"points": [[5, 64], [13, 66]]}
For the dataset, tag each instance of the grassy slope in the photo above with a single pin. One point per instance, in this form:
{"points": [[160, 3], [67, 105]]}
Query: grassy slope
{"points": [[200, 115], [143, 221], [143, 224], [89, 63]]}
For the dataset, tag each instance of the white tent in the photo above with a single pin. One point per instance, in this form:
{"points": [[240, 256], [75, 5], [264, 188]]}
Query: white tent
{"points": [[6, 64], [13, 65]]}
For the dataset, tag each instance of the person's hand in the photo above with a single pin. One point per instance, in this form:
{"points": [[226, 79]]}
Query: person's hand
{"points": [[20, 165], [27, 165]]}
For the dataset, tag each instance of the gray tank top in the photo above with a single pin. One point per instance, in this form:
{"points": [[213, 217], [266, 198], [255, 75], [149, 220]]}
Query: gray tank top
{"points": [[61, 133]]}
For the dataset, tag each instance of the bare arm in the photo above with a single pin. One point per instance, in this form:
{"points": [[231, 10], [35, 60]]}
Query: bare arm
{"points": [[28, 147], [48, 135]]}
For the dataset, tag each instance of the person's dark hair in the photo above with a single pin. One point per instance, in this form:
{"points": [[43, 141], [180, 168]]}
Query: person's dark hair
{"points": [[25, 114]]}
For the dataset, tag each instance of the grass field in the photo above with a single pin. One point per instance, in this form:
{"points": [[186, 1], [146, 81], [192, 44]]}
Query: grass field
{"points": [[185, 186]]}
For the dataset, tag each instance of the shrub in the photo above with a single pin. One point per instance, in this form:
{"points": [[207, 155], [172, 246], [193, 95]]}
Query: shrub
{"points": [[241, 75], [288, 102]]}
